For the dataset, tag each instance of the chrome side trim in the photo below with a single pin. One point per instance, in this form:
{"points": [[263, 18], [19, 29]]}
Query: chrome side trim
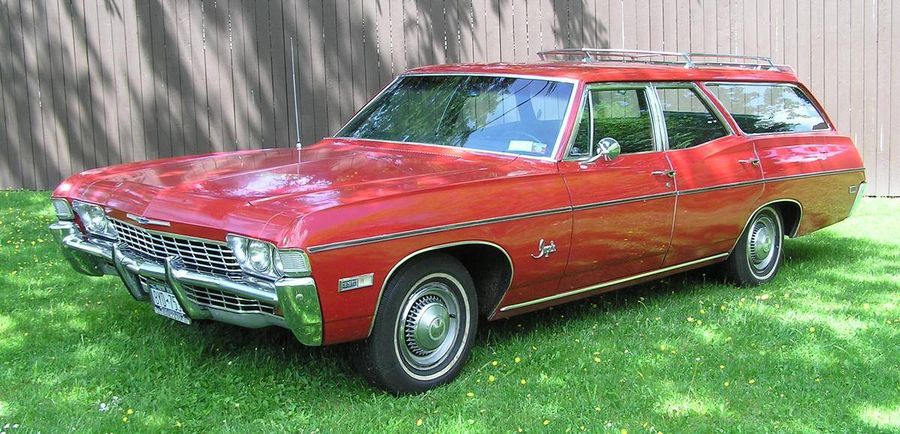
{"points": [[623, 201], [434, 229], [463, 225], [387, 277], [611, 283]]}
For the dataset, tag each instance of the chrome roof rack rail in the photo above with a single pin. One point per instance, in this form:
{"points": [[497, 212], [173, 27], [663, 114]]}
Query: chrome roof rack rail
{"points": [[688, 60]]}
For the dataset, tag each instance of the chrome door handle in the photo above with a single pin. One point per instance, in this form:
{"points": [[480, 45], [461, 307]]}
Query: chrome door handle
{"points": [[753, 161], [669, 173]]}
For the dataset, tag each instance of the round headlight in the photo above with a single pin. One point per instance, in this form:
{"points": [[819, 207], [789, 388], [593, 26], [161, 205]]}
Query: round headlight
{"points": [[260, 256]]}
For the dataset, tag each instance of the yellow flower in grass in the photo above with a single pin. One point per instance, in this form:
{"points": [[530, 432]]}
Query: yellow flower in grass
{"points": [[495, 363], [522, 381], [419, 422], [491, 378], [470, 394], [751, 381], [546, 421], [130, 412], [518, 359]]}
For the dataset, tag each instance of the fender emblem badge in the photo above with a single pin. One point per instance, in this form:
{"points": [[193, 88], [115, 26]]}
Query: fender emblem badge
{"points": [[356, 282], [147, 221], [544, 250]]}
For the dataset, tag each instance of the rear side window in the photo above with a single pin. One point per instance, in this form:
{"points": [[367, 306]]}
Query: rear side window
{"points": [[769, 108], [689, 120]]}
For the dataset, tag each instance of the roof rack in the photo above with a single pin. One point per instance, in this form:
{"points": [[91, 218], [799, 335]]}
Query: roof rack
{"points": [[688, 60]]}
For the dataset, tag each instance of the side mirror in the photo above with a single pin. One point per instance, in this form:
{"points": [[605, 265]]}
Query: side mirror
{"points": [[608, 149]]}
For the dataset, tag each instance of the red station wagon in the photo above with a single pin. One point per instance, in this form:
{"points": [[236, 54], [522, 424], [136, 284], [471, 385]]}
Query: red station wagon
{"points": [[475, 191]]}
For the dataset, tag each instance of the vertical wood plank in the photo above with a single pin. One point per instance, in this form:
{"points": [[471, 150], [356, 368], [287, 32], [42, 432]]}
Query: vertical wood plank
{"points": [[641, 24], [894, 143], [466, 12], [175, 95], [118, 40], [844, 68], [47, 152], [884, 97], [281, 87], [15, 98], [35, 161], [870, 92], [262, 29]]}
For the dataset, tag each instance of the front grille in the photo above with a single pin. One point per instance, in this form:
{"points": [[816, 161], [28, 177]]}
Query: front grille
{"points": [[215, 299], [197, 255], [219, 300]]}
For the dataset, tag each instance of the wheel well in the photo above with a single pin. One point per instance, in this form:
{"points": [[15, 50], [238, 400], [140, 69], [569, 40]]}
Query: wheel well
{"points": [[488, 264], [790, 211]]}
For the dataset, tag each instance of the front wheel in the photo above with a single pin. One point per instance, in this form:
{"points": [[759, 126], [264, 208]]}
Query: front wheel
{"points": [[424, 326], [758, 254]]}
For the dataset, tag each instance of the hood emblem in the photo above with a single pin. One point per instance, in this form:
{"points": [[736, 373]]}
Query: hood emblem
{"points": [[544, 250], [147, 221]]}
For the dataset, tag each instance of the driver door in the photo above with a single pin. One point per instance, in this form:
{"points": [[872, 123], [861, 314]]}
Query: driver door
{"points": [[623, 206]]}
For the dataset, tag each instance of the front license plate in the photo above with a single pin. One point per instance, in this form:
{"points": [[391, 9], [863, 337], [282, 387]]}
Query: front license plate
{"points": [[165, 303]]}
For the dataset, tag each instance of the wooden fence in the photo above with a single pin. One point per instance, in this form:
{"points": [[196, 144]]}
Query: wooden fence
{"points": [[87, 83]]}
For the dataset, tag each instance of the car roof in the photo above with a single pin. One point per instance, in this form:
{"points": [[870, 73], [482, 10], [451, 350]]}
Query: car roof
{"points": [[590, 72]]}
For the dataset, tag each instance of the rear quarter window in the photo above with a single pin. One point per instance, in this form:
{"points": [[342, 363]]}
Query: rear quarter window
{"points": [[767, 108]]}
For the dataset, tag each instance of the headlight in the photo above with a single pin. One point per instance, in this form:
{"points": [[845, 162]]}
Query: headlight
{"points": [[63, 210], [94, 219], [263, 259]]}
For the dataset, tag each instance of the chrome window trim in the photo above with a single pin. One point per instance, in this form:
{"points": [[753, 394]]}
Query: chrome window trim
{"points": [[559, 135], [704, 99], [820, 110], [613, 85], [387, 277], [611, 283]]}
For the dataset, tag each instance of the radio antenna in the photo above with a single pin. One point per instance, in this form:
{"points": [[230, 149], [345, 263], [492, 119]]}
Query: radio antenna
{"points": [[296, 106]]}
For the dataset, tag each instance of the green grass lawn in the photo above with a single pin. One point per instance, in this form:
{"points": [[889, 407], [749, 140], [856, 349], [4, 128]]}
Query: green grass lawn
{"points": [[815, 350]]}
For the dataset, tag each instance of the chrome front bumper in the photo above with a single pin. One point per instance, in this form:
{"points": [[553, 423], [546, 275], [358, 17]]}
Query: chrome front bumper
{"points": [[296, 298]]}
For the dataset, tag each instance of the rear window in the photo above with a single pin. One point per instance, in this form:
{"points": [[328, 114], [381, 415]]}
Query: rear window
{"points": [[769, 108]]}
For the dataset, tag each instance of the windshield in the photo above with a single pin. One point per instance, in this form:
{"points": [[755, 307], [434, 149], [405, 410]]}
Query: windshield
{"points": [[501, 114]]}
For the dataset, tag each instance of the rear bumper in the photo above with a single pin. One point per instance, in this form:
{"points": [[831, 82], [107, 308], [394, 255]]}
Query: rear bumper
{"points": [[294, 301]]}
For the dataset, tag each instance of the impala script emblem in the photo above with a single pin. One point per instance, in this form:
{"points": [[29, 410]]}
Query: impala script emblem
{"points": [[145, 221], [544, 250]]}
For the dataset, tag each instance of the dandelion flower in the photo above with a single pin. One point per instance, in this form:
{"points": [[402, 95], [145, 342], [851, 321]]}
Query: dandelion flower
{"points": [[518, 359], [419, 422], [596, 360], [125, 419], [130, 412], [690, 319], [495, 363], [491, 378], [522, 381], [751, 381], [470, 394], [546, 422]]}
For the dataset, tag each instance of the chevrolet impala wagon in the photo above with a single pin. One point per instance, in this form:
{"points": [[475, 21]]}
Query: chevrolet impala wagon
{"points": [[476, 191]]}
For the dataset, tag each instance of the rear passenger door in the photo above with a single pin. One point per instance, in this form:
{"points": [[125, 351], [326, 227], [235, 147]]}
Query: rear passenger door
{"points": [[718, 174]]}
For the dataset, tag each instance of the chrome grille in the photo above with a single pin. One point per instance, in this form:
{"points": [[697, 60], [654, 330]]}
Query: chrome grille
{"points": [[215, 299], [220, 300], [197, 255]]}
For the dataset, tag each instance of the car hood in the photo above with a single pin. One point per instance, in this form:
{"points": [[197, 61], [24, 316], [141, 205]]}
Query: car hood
{"points": [[248, 189]]}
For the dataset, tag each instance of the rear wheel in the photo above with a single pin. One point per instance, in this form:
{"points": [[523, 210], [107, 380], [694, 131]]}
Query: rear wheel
{"points": [[758, 254], [424, 327]]}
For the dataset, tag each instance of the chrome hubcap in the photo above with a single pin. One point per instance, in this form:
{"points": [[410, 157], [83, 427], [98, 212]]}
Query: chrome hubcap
{"points": [[761, 243], [429, 325]]}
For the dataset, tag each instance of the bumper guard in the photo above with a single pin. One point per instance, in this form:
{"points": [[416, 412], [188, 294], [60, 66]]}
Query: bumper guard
{"points": [[296, 297]]}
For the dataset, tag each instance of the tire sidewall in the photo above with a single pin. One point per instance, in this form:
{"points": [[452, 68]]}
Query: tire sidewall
{"points": [[743, 271], [386, 367]]}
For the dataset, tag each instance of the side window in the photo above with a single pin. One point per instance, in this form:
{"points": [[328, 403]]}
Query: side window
{"points": [[769, 108], [689, 120], [621, 114]]}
